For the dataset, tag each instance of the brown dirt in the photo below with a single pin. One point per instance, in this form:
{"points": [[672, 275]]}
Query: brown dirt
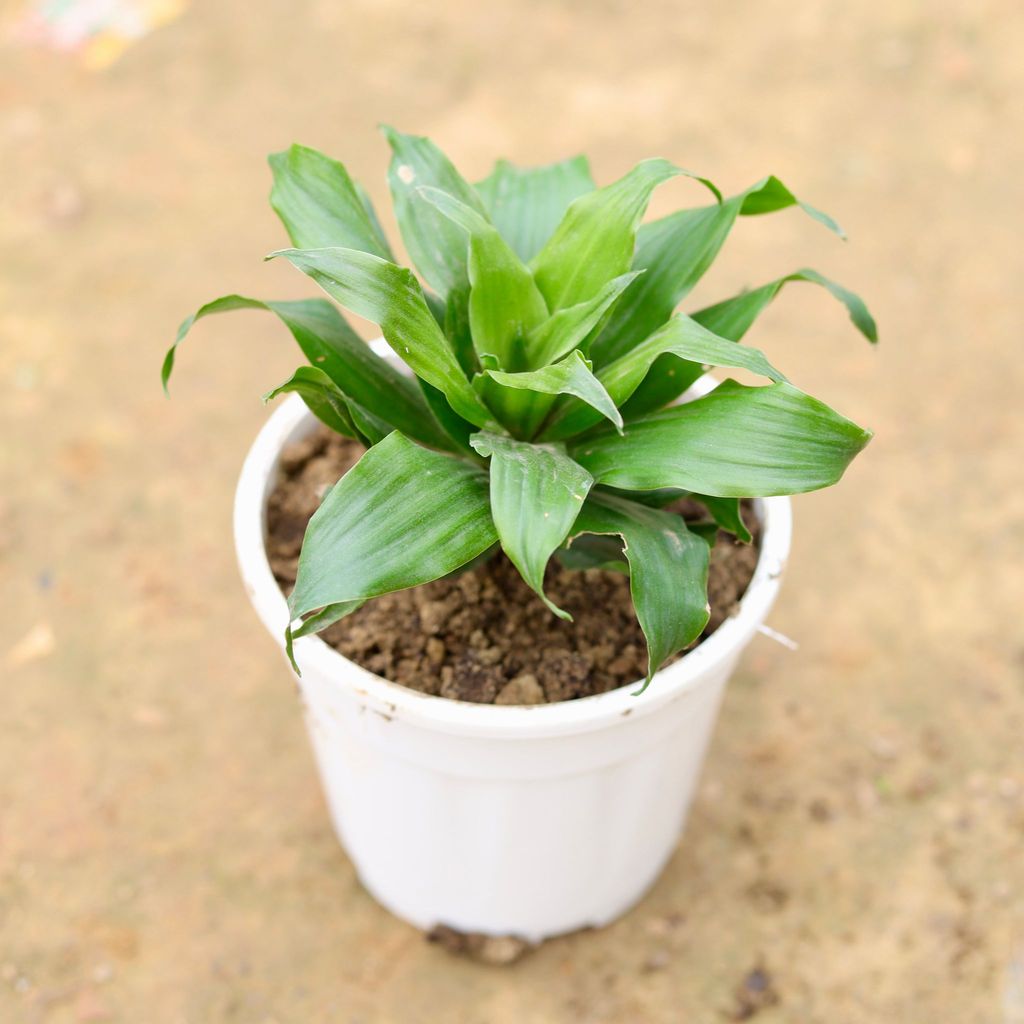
{"points": [[483, 635]]}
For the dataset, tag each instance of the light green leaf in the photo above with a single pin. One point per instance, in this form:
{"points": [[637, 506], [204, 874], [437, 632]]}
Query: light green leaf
{"points": [[675, 252], [526, 203], [504, 302], [402, 516], [391, 296], [668, 571], [320, 205], [436, 245], [682, 337], [572, 376], [735, 442], [595, 239], [568, 328], [331, 406], [536, 493]]}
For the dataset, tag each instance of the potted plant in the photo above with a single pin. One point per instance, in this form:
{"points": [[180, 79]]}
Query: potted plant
{"points": [[536, 403]]}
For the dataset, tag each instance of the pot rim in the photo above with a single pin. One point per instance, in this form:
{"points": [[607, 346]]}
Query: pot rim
{"points": [[582, 714]]}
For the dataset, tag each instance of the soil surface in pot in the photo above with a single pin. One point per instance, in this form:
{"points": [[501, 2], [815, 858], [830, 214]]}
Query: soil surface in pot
{"points": [[483, 635]]}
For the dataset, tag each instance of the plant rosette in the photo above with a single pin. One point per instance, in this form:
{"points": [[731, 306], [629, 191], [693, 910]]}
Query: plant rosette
{"points": [[552, 399]]}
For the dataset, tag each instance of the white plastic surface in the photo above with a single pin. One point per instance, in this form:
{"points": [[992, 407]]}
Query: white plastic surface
{"points": [[527, 821]]}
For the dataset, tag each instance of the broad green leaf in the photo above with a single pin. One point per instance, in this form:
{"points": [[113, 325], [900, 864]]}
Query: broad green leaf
{"points": [[329, 343], [436, 245], [320, 205], [526, 204], [668, 571], [403, 515], [681, 337], [675, 252], [731, 319], [726, 514], [536, 493], [595, 239], [332, 406], [391, 296], [735, 442], [568, 328], [572, 376], [504, 302]]}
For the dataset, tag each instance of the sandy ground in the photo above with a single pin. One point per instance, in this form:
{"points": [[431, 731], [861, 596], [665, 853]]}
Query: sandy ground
{"points": [[856, 852]]}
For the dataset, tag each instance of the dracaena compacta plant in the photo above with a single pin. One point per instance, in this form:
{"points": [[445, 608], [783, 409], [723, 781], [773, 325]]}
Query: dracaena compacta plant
{"points": [[546, 358]]}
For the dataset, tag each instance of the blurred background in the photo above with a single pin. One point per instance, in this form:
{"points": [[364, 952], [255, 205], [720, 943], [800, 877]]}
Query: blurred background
{"points": [[856, 852]]}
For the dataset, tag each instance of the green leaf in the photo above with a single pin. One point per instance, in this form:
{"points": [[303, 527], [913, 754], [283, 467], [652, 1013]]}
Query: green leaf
{"points": [[329, 343], [332, 406], [402, 516], [727, 515], [454, 426], [682, 337], [675, 252], [391, 296], [568, 328], [769, 195], [436, 245], [572, 376], [320, 205], [593, 551], [536, 493], [733, 317], [595, 239], [668, 571], [504, 302], [735, 442], [326, 617], [526, 203]]}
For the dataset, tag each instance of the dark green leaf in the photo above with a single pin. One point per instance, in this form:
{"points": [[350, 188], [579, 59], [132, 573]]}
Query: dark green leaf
{"points": [[454, 426], [536, 493], [681, 337], [595, 239], [733, 317], [668, 571], [436, 245], [331, 406], [735, 442], [330, 344], [527, 203], [675, 251], [402, 516], [390, 295], [727, 514], [504, 302], [669, 377], [320, 205]]}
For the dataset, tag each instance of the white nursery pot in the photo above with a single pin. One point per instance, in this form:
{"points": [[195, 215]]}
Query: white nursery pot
{"points": [[528, 821]]}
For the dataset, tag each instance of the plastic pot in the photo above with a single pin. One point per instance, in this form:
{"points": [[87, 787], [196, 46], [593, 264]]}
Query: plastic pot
{"points": [[527, 821]]}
